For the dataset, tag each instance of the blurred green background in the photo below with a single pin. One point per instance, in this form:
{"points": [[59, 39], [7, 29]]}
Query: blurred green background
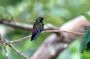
{"points": [[57, 12]]}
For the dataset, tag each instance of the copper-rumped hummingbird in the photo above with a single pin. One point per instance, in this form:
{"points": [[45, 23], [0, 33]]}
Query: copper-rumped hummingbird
{"points": [[38, 27]]}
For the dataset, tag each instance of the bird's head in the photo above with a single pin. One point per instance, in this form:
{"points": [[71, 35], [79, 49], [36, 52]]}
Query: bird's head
{"points": [[39, 19]]}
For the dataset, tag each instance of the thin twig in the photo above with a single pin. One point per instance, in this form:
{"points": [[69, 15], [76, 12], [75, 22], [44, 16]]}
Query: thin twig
{"points": [[55, 30], [6, 43], [19, 40], [6, 51], [26, 37], [2, 42], [64, 31], [20, 53], [74, 32]]}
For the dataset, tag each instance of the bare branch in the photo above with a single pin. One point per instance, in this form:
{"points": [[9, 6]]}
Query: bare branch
{"points": [[6, 43], [22, 26], [19, 40], [53, 31], [6, 52], [15, 24], [2, 42], [20, 53]]}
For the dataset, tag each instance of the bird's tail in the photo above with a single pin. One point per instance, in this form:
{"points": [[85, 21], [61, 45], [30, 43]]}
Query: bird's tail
{"points": [[35, 35]]}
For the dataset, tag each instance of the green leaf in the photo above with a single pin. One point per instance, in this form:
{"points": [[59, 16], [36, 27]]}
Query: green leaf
{"points": [[87, 16], [85, 41], [9, 2]]}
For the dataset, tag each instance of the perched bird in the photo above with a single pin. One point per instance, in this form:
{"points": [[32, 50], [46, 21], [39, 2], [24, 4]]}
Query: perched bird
{"points": [[38, 27]]}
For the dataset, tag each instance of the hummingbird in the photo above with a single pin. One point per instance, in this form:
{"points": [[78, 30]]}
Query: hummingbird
{"points": [[38, 27]]}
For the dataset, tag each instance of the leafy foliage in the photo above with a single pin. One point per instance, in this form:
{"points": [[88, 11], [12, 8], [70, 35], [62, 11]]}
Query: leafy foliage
{"points": [[85, 41]]}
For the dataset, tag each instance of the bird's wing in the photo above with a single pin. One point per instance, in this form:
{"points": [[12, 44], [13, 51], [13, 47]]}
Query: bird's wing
{"points": [[37, 28]]}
